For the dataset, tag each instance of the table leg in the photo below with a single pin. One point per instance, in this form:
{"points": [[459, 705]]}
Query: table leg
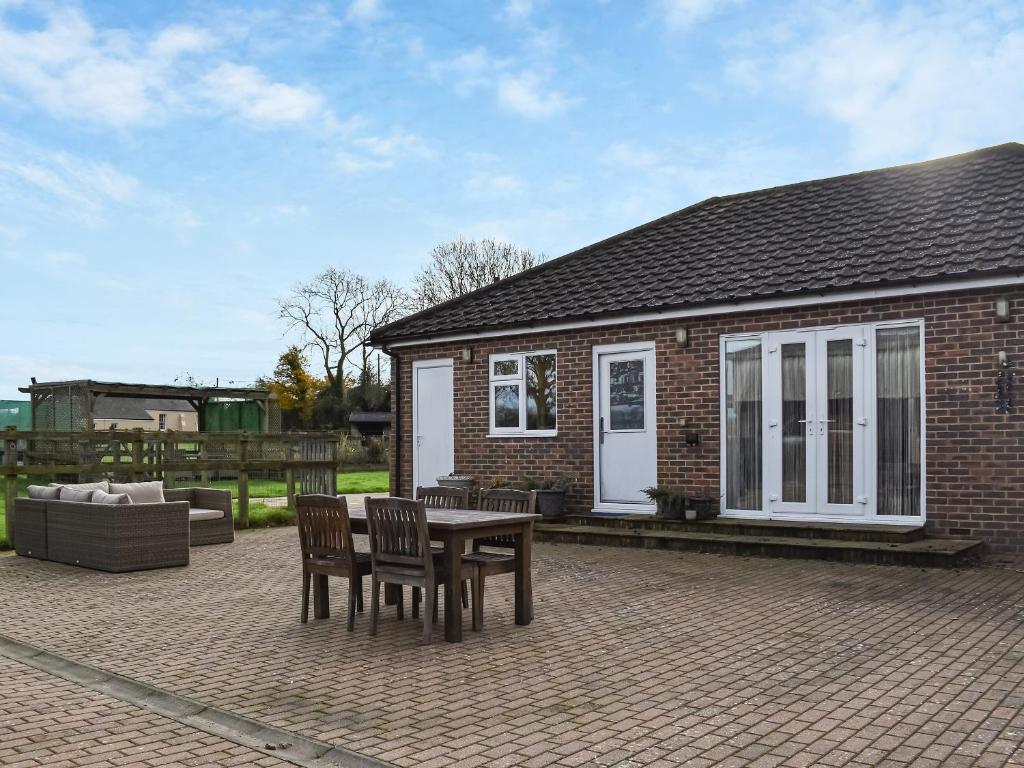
{"points": [[321, 597], [453, 549], [524, 583]]}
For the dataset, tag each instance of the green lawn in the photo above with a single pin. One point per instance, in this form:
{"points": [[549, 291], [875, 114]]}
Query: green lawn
{"points": [[259, 515]]}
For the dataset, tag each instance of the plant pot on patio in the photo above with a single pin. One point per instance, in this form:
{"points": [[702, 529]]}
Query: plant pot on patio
{"points": [[703, 506], [551, 504], [670, 504]]}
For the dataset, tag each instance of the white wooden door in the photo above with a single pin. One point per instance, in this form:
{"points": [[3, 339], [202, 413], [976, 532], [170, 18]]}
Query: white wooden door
{"points": [[433, 421], [626, 429]]}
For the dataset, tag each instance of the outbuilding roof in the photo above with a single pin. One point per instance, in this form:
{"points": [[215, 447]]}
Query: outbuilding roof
{"points": [[959, 216]]}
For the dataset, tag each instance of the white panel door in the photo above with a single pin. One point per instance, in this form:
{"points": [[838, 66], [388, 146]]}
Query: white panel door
{"points": [[626, 424], [433, 421]]}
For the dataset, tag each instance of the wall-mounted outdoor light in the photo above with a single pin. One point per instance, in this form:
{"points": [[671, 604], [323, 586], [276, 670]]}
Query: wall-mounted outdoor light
{"points": [[682, 337], [1003, 309], [466, 354]]}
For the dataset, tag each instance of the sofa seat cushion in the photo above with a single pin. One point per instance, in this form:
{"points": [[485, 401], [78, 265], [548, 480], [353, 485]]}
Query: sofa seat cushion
{"points": [[141, 493], [198, 513], [45, 492]]}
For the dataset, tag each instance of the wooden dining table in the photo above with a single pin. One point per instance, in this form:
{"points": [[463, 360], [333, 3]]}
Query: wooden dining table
{"points": [[454, 527]]}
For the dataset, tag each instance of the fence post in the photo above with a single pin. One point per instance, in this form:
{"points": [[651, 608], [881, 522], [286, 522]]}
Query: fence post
{"points": [[137, 446], [289, 478], [204, 475], [10, 483], [243, 481], [335, 463]]}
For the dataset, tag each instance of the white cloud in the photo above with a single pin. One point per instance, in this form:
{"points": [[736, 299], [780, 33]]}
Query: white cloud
{"points": [[71, 69], [363, 11], [378, 153], [181, 39], [517, 10], [495, 184], [247, 92], [468, 71], [525, 95], [907, 84], [683, 15], [64, 185]]}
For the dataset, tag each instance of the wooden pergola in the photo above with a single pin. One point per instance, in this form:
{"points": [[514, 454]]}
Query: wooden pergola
{"points": [[68, 406]]}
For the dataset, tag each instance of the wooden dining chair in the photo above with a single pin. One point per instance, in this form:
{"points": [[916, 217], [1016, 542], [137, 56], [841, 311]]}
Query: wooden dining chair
{"points": [[492, 563], [400, 554], [325, 536], [442, 497]]}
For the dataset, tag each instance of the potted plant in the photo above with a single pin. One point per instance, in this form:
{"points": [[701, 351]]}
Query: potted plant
{"points": [[670, 503], [703, 504], [550, 495]]}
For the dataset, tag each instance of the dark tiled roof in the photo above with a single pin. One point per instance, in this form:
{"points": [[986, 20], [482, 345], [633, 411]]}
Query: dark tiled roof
{"points": [[958, 216]]}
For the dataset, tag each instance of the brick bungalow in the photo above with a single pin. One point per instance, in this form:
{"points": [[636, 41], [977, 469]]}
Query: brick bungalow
{"points": [[838, 350]]}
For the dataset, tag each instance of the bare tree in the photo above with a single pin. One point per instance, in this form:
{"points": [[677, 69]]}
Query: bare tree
{"points": [[334, 314], [460, 266]]}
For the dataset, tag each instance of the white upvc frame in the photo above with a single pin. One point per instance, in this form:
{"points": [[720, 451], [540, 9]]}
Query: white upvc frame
{"points": [[519, 380], [596, 353], [441, 362], [870, 480]]}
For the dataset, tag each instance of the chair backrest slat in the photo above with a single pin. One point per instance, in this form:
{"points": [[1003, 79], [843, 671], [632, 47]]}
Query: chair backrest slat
{"points": [[324, 526], [443, 497], [398, 532], [507, 501]]}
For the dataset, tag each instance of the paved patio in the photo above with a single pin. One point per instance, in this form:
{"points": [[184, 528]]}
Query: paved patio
{"points": [[635, 658]]}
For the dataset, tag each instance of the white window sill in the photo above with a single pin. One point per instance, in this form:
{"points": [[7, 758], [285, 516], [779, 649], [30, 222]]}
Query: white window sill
{"points": [[533, 433]]}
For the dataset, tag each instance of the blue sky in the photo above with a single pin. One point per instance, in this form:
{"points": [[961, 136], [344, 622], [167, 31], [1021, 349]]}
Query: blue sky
{"points": [[168, 169]]}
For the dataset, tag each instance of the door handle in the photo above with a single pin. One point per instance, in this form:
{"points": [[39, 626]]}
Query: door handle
{"points": [[600, 430]]}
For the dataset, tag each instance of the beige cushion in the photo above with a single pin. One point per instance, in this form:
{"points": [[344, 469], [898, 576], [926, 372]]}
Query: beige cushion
{"points": [[73, 494], [141, 493], [198, 513], [99, 497], [102, 485], [44, 492]]}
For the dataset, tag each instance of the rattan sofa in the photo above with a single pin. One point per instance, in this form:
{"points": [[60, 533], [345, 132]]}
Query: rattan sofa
{"points": [[205, 525], [123, 537], [107, 537]]}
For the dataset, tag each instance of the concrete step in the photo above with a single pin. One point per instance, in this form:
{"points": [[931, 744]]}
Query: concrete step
{"points": [[926, 553], [736, 527]]}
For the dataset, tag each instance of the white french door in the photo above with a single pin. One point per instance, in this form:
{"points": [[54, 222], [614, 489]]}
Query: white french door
{"points": [[825, 423], [816, 462]]}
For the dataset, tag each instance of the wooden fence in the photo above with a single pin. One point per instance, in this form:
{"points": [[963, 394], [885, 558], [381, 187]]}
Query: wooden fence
{"points": [[312, 458]]}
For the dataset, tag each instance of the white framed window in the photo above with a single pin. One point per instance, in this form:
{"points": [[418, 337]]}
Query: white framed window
{"points": [[522, 394]]}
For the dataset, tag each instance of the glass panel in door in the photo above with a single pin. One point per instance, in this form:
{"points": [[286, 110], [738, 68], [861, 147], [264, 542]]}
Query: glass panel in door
{"points": [[794, 423], [841, 421], [839, 388], [791, 437]]}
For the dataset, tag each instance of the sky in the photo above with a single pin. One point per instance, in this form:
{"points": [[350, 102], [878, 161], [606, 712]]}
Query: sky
{"points": [[168, 169]]}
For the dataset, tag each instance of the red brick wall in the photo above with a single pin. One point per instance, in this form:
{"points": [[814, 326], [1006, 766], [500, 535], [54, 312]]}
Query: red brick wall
{"points": [[974, 456]]}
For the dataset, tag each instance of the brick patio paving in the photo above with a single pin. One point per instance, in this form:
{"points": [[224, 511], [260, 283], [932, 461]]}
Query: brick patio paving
{"points": [[636, 658]]}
